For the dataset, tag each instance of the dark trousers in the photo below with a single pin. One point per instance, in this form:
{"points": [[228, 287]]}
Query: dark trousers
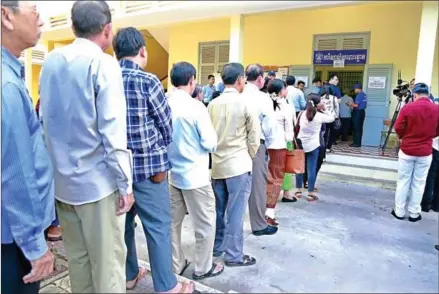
{"points": [[14, 267], [430, 197], [345, 126], [330, 135], [358, 117]]}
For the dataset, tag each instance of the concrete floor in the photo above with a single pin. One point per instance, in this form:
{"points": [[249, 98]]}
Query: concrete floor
{"points": [[345, 242]]}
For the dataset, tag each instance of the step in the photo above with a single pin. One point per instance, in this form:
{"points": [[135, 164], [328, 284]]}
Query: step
{"points": [[365, 170], [363, 161]]}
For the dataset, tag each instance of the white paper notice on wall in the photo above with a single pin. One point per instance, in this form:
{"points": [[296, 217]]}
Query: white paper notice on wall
{"points": [[338, 63], [302, 78], [376, 83]]}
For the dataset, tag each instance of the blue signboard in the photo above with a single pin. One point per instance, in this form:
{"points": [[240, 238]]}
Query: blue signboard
{"points": [[350, 57]]}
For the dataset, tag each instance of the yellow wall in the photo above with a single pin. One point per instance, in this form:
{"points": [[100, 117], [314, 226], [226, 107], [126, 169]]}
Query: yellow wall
{"points": [[157, 59], [394, 29], [36, 68], [184, 39], [286, 38]]}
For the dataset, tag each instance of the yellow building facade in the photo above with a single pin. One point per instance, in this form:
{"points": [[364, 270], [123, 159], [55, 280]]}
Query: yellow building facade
{"points": [[396, 36]]}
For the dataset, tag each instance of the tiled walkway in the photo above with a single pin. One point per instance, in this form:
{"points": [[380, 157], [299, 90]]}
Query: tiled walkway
{"points": [[343, 147]]}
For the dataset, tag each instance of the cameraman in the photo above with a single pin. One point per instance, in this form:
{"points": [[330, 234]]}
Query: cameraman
{"points": [[416, 126]]}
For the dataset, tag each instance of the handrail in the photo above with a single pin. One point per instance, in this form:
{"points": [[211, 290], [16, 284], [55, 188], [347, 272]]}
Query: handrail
{"points": [[164, 78]]}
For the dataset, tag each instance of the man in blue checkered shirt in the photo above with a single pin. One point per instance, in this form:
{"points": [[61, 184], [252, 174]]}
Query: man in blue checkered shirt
{"points": [[149, 129]]}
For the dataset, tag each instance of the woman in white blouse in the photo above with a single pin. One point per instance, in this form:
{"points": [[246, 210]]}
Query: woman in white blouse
{"points": [[310, 122], [281, 134]]}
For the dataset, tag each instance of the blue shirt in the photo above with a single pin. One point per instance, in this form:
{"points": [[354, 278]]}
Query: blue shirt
{"points": [[83, 110], [149, 125], [193, 139], [220, 87], [345, 109], [207, 93], [335, 91], [296, 98], [361, 100], [312, 90], [28, 203]]}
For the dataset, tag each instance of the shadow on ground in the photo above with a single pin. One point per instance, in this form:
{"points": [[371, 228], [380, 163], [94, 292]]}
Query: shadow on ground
{"points": [[345, 242]]}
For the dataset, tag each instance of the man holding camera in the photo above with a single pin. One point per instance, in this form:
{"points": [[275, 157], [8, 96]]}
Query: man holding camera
{"points": [[416, 126]]}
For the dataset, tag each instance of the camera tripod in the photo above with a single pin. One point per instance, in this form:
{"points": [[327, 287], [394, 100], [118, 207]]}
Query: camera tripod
{"points": [[392, 124]]}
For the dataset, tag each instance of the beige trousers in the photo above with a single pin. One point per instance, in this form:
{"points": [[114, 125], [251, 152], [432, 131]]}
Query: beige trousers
{"points": [[94, 240], [200, 203]]}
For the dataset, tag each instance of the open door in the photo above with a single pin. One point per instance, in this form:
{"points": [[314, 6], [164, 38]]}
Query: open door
{"points": [[377, 85], [302, 72]]}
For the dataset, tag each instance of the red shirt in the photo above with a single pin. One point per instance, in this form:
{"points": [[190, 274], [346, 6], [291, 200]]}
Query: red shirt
{"points": [[417, 125]]}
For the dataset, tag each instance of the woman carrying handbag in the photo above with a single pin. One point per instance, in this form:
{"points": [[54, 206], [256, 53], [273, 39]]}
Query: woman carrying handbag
{"points": [[282, 133], [310, 123]]}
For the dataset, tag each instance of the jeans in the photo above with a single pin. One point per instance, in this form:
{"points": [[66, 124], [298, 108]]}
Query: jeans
{"points": [[412, 174], [429, 192], [231, 196], [154, 210], [358, 117], [311, 159], [320, 159], [14, 267]]}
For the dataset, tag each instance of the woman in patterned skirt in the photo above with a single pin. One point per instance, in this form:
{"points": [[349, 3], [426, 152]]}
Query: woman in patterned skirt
{"points": [[282, 133]]}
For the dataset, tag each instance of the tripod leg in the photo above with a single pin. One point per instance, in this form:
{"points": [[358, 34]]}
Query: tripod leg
{"points": [[392, 124]]}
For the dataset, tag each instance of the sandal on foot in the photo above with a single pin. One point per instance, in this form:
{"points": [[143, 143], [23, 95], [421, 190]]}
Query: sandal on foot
{"points": [[298, 195], [216, 270], [312, 197], [132, 284], [290, 200], [186, 265], [271, 221], [246, 261]]}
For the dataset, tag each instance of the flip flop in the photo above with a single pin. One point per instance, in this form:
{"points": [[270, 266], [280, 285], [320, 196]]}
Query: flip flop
{"points": [[209, 274], [246, 261], [186, 265], [140, 275]]}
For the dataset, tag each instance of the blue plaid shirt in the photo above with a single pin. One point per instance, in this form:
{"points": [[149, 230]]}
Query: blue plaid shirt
{"points": [[149, 125]]}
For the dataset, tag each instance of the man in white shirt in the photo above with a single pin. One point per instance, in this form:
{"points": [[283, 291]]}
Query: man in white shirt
{"points": [[238, 129], [258, 196], [84, 110], [190, 188]]}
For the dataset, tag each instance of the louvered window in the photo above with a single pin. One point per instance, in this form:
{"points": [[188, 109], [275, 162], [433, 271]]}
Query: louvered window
{"points": [[213, 57], [341, 42]]}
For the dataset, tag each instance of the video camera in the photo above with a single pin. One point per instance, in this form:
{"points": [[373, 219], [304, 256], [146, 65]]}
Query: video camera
{"points": [[402, 91]]}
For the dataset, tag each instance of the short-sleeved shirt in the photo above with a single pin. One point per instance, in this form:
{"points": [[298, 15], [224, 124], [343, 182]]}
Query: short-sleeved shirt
{"points": [[345, 109], [361, 100]]}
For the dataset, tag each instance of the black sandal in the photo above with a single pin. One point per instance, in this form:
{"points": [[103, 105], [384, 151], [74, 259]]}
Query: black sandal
{"points": [[186, 265], [289, 200], [209, 274], [246, 261]]}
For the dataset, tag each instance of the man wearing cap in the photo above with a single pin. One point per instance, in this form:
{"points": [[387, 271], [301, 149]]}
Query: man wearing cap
{"points": [[358, 114], [416, 126]]}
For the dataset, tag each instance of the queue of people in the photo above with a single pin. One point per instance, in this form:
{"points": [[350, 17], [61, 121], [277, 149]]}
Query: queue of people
{"points": [[112, 138]]}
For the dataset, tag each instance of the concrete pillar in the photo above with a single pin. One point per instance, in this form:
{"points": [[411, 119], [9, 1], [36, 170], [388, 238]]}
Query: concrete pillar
{"points": [[427, 42], [236, 38]]}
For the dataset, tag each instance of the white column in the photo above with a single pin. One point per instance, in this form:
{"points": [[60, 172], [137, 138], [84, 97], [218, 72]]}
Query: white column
{"points": [[236, 38], [427, 42]]}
